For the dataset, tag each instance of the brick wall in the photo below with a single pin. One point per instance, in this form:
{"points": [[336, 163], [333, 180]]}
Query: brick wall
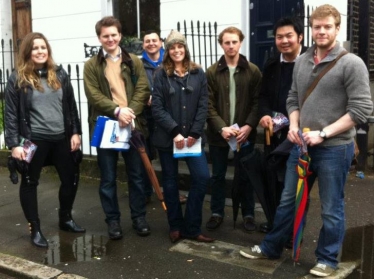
{"points": [[371, 36], [354, 31]]}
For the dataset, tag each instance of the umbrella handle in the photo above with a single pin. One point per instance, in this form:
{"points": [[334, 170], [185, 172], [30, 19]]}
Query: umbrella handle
{"points": [[163, 205], [271, 128], [267, 134]]}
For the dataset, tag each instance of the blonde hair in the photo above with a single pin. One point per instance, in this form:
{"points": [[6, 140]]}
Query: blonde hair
{"points": [[232, 30], [325, 11], [26, 71]]}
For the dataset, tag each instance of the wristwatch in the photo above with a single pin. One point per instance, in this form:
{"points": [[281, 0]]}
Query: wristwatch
{"points": [[322, 134], [220, 131]]}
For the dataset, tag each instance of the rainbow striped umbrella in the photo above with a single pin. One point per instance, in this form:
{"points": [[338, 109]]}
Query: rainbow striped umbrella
{"points": [[300, 204]]}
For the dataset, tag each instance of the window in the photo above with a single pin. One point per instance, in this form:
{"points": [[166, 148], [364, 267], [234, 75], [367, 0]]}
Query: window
{"points": [[126, 12]]}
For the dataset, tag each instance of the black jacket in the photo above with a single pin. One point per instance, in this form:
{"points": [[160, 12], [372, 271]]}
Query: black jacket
{"points": [[269, 99], [17, 110], [272, 97], [178, 111]]}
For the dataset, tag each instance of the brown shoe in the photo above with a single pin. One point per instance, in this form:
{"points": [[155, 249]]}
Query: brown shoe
{"points": [[203, 238], [182, 199], [174, 236], [214, 223]]}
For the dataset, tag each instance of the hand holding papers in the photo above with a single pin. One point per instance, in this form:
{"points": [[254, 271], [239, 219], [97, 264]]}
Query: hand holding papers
{"points": [[233, 143], [108, 134], [115, 136], [29, 148], [193, 151]]}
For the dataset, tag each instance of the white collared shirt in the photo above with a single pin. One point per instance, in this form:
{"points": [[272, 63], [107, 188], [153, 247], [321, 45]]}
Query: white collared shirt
{"points": [[284, 61], [114, 58]]}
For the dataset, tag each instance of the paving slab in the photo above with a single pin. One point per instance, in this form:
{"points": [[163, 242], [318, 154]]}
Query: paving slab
{"points": [[343, 271], [226, 253]]}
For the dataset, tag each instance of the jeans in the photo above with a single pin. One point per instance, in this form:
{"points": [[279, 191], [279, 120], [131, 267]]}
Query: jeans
{"points": [[107, 160], [218, 157], [60, 156], [190, 224], [330, 165]]}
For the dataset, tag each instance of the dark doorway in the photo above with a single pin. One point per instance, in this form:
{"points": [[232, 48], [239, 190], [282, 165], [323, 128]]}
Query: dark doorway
{"points": [[263, 15]]}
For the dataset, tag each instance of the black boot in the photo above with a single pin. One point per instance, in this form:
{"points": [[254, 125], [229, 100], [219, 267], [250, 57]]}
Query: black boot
{"points": [[37, 238], [68, 224]]}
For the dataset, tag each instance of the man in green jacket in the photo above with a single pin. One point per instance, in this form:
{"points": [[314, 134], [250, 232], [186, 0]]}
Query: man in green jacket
{"points": [[233, 84], [116, 86]]}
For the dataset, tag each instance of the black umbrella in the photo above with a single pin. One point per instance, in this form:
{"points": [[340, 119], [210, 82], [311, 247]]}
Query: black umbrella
{"points": [[15, 166], [237, 192], [266, 174]]}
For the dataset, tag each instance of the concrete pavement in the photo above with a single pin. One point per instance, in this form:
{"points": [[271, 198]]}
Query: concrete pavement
{"points": [[92, 255]]}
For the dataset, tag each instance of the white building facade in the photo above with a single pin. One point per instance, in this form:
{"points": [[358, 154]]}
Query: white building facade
{"points": [[69, 24]]}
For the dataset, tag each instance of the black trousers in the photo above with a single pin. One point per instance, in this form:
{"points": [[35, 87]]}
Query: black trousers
{"points": [[58, 154]]}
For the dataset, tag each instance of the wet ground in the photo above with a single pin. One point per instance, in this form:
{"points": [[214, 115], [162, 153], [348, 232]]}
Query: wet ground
{"points": [[93, 255]]}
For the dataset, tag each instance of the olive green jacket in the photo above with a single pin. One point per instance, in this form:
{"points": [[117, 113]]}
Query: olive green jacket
{"points": [[247, 78], [99, 96]]}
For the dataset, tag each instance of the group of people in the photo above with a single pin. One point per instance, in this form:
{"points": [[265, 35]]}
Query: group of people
{"points": [[170, 99]]}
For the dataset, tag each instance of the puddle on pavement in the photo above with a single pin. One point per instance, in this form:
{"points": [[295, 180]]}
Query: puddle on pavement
{"points": [[359, 246], [65, 249]]}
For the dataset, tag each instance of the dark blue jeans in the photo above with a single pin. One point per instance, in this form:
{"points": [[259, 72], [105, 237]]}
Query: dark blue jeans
{"points": [[190, 224], [107, 160], [330, 165], [218, 156]]}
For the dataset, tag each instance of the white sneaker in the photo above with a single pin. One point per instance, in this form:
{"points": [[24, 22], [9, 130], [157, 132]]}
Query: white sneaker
{"points": [[321, 270], [253, 253]]}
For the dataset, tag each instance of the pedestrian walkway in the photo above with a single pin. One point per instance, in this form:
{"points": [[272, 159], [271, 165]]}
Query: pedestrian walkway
{"points": [[92, 255]]}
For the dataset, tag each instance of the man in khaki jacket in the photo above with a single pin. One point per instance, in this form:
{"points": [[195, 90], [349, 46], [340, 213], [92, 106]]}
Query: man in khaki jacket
{"points": [[116, 86]]}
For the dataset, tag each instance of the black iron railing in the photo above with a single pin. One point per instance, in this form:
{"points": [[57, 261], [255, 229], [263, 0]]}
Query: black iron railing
{"points": [[202, 42]]}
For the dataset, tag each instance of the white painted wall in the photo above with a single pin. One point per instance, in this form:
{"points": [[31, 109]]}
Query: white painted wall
{"points": [[6, 31], [6, 35], [68, 25]]}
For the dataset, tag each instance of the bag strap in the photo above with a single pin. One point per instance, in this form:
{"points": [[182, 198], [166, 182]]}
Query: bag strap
{"points": [[321, 74]]}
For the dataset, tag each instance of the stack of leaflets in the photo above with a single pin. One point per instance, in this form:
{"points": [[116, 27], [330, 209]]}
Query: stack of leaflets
{"points": [[193, 151]]}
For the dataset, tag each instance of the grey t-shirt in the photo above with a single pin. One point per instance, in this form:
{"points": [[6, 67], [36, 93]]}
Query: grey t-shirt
{"points": [[46, 112]]}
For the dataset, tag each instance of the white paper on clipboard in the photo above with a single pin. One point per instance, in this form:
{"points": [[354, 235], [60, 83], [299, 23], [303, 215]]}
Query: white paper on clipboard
{"points": [[115, 136]]}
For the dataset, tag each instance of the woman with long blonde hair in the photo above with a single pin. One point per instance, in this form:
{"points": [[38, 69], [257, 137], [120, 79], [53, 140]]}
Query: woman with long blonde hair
{"points": [[40, 107]]}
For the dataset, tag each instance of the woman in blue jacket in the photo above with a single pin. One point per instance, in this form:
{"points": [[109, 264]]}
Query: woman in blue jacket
{"points": [[179, 109]]}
